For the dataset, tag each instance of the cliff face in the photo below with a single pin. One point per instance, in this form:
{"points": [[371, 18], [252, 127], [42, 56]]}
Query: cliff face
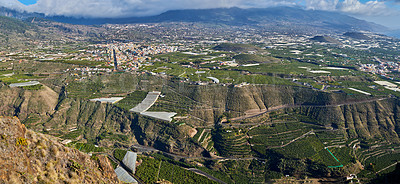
{"points": [[108, 125], [378, 119], [22, 103], [105, 124], [361, 116], [29, 157], [238, 101]]}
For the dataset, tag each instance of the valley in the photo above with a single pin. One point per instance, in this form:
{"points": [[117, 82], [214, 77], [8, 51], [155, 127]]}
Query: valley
{"points": [[217, 103]]}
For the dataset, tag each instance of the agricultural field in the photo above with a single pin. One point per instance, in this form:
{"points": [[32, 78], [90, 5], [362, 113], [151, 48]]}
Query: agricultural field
{"points": [[152, 170], [119, 154], [132, 99], [279, 134], [231, 142], [88, 148], [18, 78], [224, 75], [77, 62]]}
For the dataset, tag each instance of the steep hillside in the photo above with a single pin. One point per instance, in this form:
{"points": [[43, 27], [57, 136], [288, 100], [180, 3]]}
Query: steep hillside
{"points": [[103, 124], [108, 125], [378, 119], [16, 33], [215, 100], [29, 157], [24, 103], [11, 25]]}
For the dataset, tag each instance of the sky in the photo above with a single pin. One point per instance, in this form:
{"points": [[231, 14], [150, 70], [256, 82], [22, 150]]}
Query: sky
{"points": [[385, 12]]}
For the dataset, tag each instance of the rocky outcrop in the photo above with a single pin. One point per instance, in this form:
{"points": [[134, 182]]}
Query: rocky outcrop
{"points": [[30, 157], [22, 103]]}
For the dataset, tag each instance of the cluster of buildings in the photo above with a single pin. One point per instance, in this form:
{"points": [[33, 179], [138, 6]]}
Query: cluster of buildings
{"points": [[131, 56], [384, 68]]}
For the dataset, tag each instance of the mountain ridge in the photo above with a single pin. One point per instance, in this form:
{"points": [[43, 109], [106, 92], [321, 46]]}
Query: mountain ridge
{"points": [[273, 17]]}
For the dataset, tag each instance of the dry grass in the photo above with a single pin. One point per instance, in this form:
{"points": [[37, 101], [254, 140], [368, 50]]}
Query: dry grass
{"points": [[31, 157]]}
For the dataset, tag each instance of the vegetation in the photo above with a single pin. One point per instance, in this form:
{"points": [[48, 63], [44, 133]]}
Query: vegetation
{"points": [[150, 168], [112, 136], [21, 142], [132, 99], [252, 59], [88, 148], [77, 62], [231, 142], [303, 148], [19, 78], [72, 135], [11, 25], [235, 47], [35, 87], [75, 166], [119, 154], [113, 164]]}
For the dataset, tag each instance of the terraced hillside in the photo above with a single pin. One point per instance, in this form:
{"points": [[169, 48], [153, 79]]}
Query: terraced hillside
{"points": [[231, 143], [377, 119], [104, 124], [45, 110], [209, 102], [272, 120]]}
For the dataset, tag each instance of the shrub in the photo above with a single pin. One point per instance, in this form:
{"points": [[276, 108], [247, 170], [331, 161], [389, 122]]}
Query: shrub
{"points": [[21, 141]]}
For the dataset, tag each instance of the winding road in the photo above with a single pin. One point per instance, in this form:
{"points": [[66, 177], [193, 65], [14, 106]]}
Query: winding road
{"points": [[262, 112]]}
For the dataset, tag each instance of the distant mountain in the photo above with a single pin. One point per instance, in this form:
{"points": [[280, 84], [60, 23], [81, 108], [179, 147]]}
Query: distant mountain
{"points": [[356, 35], [10, 25], [290, 18], [325, 39], [18, 14], [394, 33]]}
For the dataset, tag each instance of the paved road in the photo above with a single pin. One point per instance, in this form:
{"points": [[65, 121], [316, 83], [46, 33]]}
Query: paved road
{"points": [[150, 149], [387, 167], [206, 175], [295, 139]]}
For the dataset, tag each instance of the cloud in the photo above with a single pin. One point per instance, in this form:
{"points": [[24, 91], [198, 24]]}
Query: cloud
{"points": [[395, 1], [355, 7], [126, 8], [14, 4], [369, 8], [121, 8], [329, 5]]}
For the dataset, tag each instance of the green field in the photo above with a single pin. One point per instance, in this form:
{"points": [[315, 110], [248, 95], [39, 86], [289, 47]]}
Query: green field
{"points": [[151, 168], [132, 99]]}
